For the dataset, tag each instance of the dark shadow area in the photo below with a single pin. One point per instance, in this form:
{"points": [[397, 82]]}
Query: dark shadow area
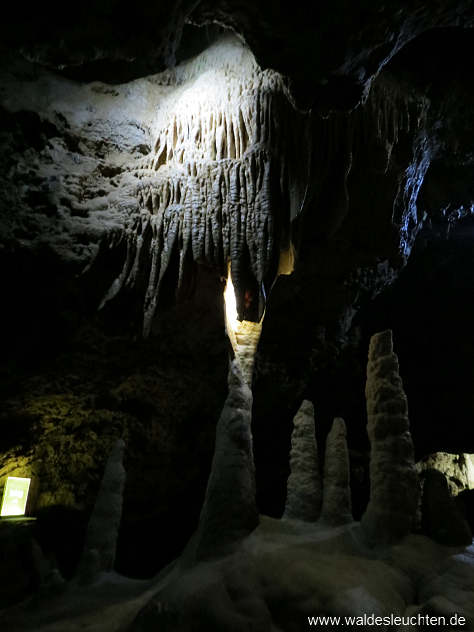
{"points": [[431, 311]]}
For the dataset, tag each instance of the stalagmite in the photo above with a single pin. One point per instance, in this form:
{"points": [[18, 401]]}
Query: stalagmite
{"points": [[394, 487], [336, 506], [102, 530], [303, 498], [229, 512]]}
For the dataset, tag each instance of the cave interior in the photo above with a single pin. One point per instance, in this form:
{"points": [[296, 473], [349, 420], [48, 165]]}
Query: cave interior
{"points": [[311, 454]]}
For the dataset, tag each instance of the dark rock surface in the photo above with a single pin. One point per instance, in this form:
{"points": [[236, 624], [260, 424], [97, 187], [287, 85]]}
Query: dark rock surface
{"points": [[441, 518], [465, 503], [18, 573]]}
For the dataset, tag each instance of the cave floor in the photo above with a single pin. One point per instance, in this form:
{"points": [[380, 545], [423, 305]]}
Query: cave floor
{"points": [[281, 574]]}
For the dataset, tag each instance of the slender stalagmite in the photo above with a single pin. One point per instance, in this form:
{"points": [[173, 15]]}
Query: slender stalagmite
{"points": [[394, 487], [336, 507], [303, 498], [102, 530], [229, 512]]}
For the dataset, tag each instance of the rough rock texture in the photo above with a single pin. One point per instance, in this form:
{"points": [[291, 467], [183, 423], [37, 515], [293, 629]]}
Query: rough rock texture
{"points": [[165, 172], [61, 413], [222, 182], [441, 518], [394, 487], [336, 506], [205, 163], [102, 531], [229, 512], [71, 438], [286, 572], [243, 335], [303, 496], [331, 52], [465, 504], [457, 468]]}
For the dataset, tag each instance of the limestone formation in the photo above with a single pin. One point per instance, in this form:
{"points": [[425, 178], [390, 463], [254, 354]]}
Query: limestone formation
{"points": [[457, 468], [394, 487], [465, 504], [441, 518], [229, 512], [244, 335], [102, 530], [303, 497], [223, 180], [336, 506]]}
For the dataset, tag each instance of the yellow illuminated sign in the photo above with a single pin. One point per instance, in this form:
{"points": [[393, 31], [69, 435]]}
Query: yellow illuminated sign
{"points": [[15, 496]]}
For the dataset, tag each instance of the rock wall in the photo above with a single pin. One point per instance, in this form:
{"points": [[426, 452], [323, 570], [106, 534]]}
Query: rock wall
{"points": [[441, 518], [457, 468]]}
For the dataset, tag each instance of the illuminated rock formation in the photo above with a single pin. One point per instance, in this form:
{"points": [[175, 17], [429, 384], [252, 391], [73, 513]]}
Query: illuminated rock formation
{"points": [[336, 505], [223, 180], [394, 487], [102, 531], [229, 512], [303, 496], [243, 334], [441, 519], [457, 468]]}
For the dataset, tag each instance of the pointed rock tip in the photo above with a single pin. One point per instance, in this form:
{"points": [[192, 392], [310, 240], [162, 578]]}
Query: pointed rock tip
{"points": [[381, 344]]}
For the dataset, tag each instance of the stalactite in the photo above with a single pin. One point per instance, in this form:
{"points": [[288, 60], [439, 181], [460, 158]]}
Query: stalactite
{"points": [[230, 169], [215, 178]]}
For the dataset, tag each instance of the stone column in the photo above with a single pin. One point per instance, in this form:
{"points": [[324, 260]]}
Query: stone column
{"points": [[102, 531], [303, 497], [229, 512], [337, 506], [394, 485]]}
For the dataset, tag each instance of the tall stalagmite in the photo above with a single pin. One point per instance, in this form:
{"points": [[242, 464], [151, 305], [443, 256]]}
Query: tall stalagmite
{"points": [[394, 487], [229, 512], [102, 530], [303, 499], [336, 507]]}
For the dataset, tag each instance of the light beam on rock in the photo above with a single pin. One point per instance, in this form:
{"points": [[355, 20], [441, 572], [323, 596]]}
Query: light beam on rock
{"points": [[243, 334], [226, 176]]}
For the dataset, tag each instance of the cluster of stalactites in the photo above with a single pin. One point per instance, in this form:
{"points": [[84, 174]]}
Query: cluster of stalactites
{"points": [[222, 185], [391, 113]]}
